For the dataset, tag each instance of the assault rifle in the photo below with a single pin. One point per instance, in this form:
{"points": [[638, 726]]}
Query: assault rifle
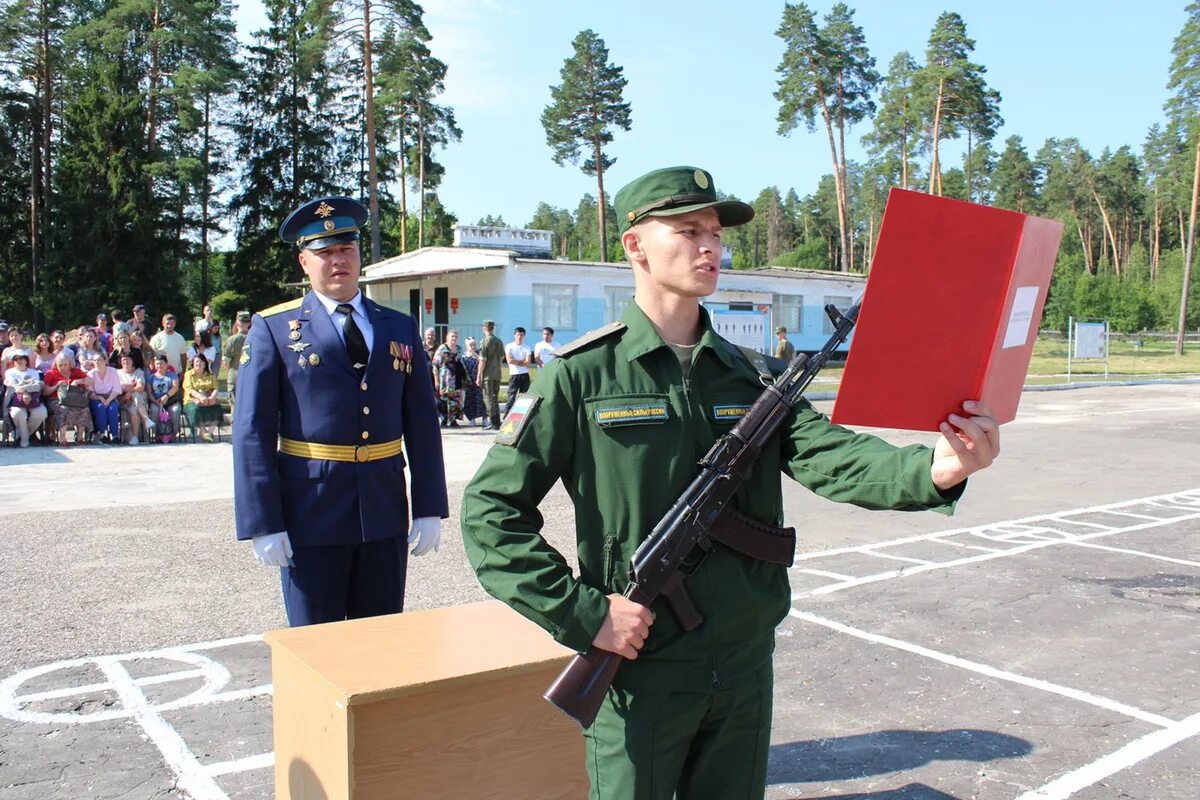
{"points": [[682, 538]]}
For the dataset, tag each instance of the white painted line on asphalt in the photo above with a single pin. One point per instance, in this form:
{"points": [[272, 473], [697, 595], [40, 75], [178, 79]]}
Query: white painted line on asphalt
{"points": [[241, 764], [893, 557], [1187, 497], [53, 694], [992, 672], [823, 574], [1141, 553], [967, 546], [1136, 751], [1066, 538], [190, 776]]}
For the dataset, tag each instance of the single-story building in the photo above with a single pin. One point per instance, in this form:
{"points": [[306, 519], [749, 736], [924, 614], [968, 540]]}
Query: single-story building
{"points": [[458, 287]]}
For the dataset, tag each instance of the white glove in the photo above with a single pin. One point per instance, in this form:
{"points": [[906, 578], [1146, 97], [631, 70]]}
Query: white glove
{"points": [[426, 534], [274, 549]]}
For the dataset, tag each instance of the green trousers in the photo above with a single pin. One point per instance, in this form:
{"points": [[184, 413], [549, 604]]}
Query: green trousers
{"points": [[656, 745]]}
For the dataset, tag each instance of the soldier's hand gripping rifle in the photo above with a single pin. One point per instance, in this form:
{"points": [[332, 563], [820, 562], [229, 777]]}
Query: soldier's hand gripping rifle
{"points": [[681, 539]]}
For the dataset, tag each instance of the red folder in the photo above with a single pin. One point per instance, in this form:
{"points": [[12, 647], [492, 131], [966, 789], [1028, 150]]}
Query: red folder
{"points": [[951, 311]]}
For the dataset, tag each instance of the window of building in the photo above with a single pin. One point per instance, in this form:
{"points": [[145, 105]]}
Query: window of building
{"points": [[789, 312], [554, 306], [615, 300], [842, 302]]}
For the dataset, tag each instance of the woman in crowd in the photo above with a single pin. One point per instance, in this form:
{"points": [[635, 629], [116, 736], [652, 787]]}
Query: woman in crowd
{"points": [[14, 345], [201, 345], [106, 400], [164, 399], [89, 349], [123, 346], [200, 398], [451, 380], [473, 404], [133, 397], [25, 406], [58, 385], [43, 353], [214, 335], [139, 342]]}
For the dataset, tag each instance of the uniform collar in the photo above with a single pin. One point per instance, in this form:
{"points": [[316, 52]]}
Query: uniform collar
{"points": [[642, 337], [330, 305]]}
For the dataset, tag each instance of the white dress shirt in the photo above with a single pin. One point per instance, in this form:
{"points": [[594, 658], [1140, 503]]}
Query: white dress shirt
{"points": [[339, 319]]}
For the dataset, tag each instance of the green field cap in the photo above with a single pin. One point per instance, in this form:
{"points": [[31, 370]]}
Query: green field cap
{"points": [[675, 190]]}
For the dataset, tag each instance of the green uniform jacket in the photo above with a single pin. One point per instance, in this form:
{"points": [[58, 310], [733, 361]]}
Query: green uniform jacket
{"points": [[491, 350], [623, 430]]}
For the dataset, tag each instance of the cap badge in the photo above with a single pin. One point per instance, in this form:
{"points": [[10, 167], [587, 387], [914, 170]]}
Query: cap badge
{"points": [[631, 216], [701, 179], [330, 225], [324, 210]]}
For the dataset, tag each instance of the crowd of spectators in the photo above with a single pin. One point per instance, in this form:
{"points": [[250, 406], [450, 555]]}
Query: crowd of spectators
{"points": [[455, 372], [119, 381]]}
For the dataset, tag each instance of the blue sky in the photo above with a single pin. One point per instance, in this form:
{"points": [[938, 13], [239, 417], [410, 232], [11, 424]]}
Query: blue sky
{"points": [[701, 77]]}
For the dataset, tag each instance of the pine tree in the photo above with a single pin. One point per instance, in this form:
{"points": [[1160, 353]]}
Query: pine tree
{"points": [[287, 141], [1184, 108], [951, 90], [893, 139], [584, 111], [1014, 182], [410, 80], [826, 71]]}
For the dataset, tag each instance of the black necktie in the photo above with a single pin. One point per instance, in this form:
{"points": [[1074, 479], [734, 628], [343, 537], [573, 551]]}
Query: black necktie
{"points": [[356, 345]]}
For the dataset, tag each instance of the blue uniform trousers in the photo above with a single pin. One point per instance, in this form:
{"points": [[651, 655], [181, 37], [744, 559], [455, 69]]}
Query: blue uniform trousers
{"points": [[330, 583]]}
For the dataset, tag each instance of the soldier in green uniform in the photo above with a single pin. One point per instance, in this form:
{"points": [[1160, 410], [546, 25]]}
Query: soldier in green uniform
{"points": [[232, 353], [491, 362], [621, 418], [784, 350]]}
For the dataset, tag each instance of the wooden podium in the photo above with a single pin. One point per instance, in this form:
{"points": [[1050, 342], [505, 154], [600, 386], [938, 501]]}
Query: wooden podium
{"points": [[431, 704]]}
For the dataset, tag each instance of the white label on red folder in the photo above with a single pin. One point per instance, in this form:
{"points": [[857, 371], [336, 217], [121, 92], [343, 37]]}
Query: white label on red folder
{"points": [[1021, 318]]}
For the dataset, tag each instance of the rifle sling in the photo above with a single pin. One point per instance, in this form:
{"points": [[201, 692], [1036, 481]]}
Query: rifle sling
{"points": [[750, 537]]}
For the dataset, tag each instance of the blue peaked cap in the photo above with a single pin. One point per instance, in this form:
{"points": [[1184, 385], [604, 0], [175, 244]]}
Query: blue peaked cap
{"points": [[324, 222]]}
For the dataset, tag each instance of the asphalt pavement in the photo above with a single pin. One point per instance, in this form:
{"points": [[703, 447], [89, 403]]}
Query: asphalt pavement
{"points": [[1038, 644]]}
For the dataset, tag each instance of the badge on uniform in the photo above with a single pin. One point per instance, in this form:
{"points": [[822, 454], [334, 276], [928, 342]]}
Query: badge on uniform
{"points": [[245, 359], [518, 419], [298, 347]]}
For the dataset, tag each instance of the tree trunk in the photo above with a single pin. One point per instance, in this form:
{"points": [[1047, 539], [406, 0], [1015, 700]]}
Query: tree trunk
{"points": [[841, 158], [1086, 246], [1112, 236], [1188, 252], [970, 193], [403, 191], [205, 160], [839, 189], [935, 177], [600, 204], [421, 171], [372, 167], [1155, 238], [904, 131], [152, 91]]}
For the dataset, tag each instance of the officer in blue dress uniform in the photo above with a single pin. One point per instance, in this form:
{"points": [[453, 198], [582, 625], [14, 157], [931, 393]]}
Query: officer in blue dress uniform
{"points": [[333, 390]]}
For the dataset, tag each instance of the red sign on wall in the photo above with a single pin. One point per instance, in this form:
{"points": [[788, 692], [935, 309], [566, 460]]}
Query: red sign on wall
{"points": [[428, 305]]}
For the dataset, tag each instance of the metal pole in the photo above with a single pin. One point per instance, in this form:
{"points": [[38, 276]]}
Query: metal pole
{"points": [[1070, 336]]}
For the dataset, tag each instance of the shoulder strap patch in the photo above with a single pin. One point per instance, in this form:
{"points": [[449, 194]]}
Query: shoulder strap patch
{"points": [[575, 345], [281, 307]]}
